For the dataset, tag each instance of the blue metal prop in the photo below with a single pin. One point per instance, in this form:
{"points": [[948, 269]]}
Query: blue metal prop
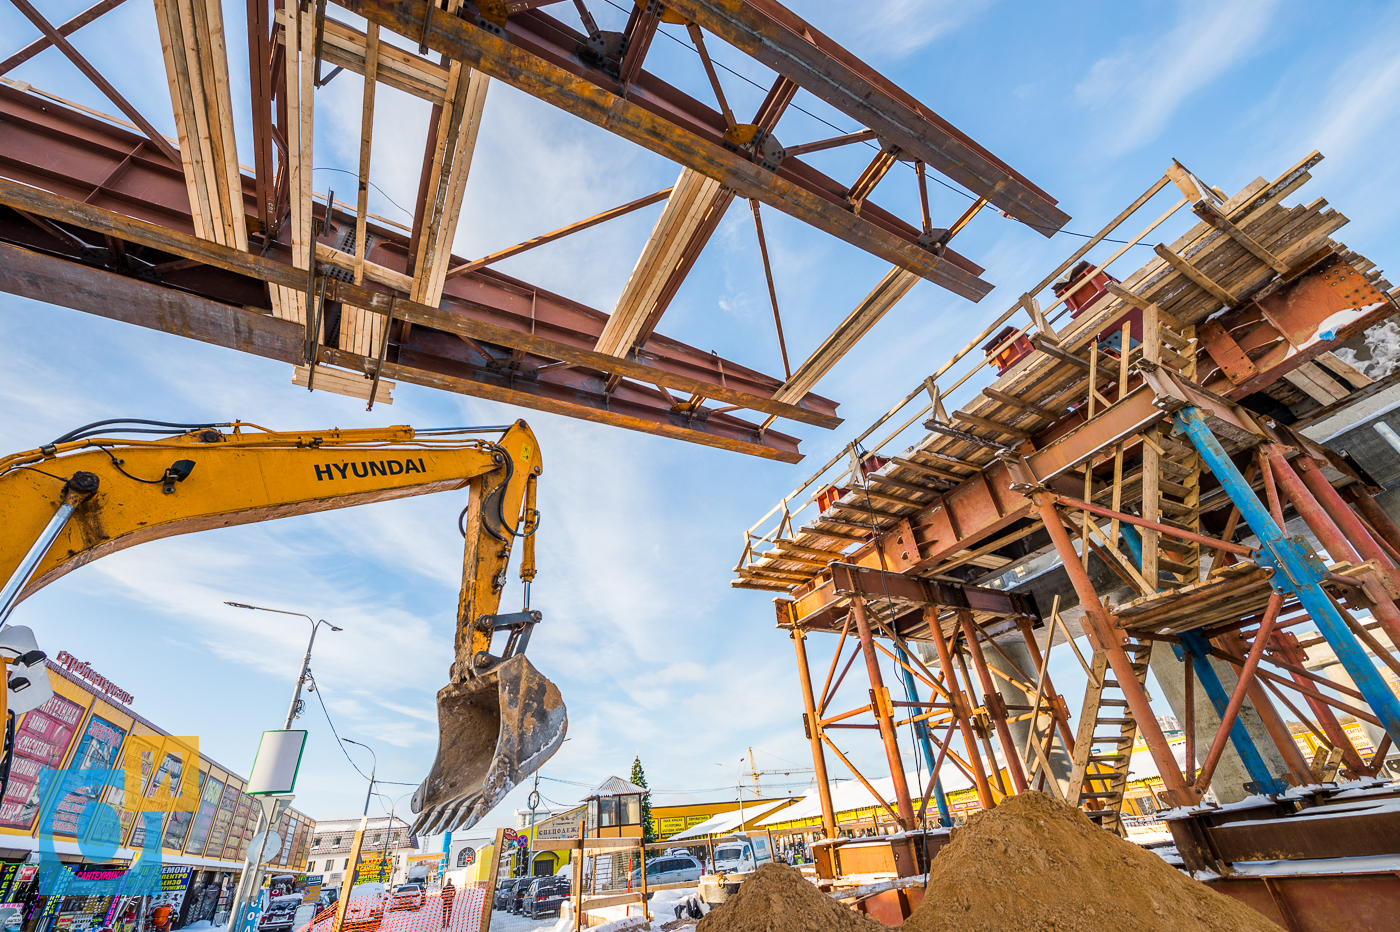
{"points": [[1297, 570]]}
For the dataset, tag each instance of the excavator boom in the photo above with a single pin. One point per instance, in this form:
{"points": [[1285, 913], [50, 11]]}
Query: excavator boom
{"points": [[83, 497]]}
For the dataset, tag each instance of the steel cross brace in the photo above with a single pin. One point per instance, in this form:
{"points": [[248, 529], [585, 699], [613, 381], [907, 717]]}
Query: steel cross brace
{"points": [[1198, 648], [1297, 570]]}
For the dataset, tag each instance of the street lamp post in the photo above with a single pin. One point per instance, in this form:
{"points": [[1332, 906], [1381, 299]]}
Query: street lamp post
{"points": [[374, 768], [252, 879], [292, 710]]}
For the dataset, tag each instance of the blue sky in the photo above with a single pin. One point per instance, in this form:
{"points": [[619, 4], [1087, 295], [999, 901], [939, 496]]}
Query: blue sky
{"points": [[653, 651]]}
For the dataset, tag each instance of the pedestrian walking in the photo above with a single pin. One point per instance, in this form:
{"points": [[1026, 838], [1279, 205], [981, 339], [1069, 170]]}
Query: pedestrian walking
{"points": [[449, 893]]}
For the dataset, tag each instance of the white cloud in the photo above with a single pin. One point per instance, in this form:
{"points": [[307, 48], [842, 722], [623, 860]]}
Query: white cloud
{"points": [[896, 28], [1138, 89]]}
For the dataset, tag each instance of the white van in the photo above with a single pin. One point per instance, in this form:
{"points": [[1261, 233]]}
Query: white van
{"points": [[738, 855]]}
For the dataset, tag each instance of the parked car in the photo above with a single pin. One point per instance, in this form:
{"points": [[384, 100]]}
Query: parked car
{"points": [[408, 896], [517, 896], [364, 914], [505, 892], [546, 896], [672, 868], [281, 914]]}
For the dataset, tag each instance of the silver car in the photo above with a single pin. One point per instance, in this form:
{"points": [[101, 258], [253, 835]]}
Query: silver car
{"points": [[670, 868]]}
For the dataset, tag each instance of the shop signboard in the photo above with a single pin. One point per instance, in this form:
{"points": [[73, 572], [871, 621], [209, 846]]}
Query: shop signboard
{"points": [[174, 878], [11, 917], [374, 866], [248, 922], [96, 755], [41, 742]]}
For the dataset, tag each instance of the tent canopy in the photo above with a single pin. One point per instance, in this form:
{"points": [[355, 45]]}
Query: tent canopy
{"points": [[723, 822]]}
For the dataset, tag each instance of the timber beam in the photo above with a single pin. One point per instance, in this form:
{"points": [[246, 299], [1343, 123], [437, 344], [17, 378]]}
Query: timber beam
{"points": [[540, 57]]}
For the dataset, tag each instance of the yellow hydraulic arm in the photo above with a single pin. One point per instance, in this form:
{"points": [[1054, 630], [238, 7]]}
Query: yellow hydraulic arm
{"points": [[85, 496]]}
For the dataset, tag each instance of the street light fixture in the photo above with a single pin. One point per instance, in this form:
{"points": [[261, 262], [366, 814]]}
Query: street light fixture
{"points": [[295, 709], [372, 771]]}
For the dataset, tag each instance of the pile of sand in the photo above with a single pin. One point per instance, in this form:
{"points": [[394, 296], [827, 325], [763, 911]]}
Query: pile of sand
{"points": [[1037, 865], [776, 898], [1030, 865]]}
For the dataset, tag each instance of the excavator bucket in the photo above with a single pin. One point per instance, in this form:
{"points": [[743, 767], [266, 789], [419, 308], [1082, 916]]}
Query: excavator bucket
{"points": [[493, 732]]}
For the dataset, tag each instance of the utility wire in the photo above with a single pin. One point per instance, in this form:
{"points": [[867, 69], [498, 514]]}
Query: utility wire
{"points": [[326, 168], [340, 743]]}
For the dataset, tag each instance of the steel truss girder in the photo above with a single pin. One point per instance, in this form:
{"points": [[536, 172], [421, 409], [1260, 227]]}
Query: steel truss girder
{"points": [[776, 37], [539, 56]]}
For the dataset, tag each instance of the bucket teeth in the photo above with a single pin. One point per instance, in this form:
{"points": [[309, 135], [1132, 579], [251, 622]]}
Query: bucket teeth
{"points": [[493, 732]]}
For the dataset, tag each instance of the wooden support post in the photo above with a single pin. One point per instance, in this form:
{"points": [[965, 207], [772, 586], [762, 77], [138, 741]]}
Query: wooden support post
{"points": [[349, 883], [577, 879], [492, 875]]}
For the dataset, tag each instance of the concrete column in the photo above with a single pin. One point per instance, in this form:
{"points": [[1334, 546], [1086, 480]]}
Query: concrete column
{"points": [[1230, 775], [1015, 648]]}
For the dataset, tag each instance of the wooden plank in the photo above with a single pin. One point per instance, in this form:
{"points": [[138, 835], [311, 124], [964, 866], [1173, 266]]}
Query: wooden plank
{"points": [[692, 199], [617, 899], [1195, 274], [894, 286], [345, 46], [1317, 384], [1212, 216], [351, 384], [991, 425], [1346, 370], [1021, 403], [372, 270], [456, 143]]}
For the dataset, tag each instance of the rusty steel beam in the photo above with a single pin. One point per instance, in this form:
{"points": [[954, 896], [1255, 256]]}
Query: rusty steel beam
{"points": [[86, 160], [1276, 333], [96, 291], [48, 151], [822, 606], [778, 38], [427, 357], [540, 57]]}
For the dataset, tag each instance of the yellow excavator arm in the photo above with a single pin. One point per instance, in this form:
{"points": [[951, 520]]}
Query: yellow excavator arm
{"points": [[84, 496]]}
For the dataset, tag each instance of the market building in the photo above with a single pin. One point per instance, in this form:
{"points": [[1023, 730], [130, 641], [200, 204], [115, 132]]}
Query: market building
{"points": [[387, 846], [88, 725]]}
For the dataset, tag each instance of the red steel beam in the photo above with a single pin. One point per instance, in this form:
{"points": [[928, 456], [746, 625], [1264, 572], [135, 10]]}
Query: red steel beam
{"points": [[89, 161], [84, 159]]}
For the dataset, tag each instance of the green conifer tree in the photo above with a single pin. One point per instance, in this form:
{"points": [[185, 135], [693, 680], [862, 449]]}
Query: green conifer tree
{"points": [[639, 778]]}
